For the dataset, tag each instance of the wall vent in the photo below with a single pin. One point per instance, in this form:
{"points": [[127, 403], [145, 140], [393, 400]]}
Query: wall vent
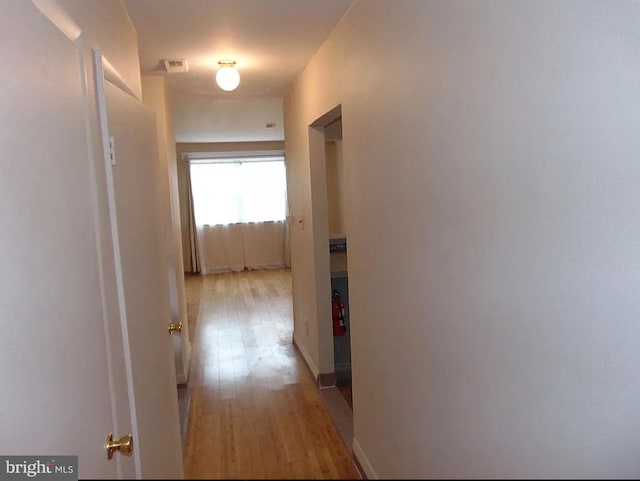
{"points": [[174, 65]]}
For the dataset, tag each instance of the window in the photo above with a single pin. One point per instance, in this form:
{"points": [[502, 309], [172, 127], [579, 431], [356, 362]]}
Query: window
{"points": [[229, 191]]}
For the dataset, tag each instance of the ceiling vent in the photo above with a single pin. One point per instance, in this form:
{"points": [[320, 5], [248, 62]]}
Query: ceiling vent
{"points": [[175, 65]]}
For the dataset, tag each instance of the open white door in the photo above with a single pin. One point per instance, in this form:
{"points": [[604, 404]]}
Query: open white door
{"points": [[138, 193], [55, 397]]}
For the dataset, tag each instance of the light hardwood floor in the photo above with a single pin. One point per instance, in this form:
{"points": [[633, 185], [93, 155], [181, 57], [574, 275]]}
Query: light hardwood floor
{"points": [[255, 412]]}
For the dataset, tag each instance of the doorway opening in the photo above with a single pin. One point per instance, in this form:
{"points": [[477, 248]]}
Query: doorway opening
{"points": [[331, 251], [334, 330], [338, 266]]}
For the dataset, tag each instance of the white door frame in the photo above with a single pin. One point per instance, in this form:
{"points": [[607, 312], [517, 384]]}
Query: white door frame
{"points": [[105, 72]]}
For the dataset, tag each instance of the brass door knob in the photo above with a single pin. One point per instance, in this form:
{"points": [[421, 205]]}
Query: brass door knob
{"points": [[171, 327], [124, 445]]}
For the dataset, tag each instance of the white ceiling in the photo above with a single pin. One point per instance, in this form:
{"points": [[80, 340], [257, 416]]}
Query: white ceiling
{"points": [[270, 40]]}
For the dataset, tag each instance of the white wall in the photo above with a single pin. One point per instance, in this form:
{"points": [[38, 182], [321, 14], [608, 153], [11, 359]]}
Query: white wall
{"points": [[73, 220], [492, 173], [335, 185], [156, 96], [109, 27], [204, 118]]}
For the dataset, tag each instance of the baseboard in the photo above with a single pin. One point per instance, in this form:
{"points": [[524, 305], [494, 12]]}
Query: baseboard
{"points": [[326, 380], [362, 462], [221, 270], [307, 358], [358, 466]]}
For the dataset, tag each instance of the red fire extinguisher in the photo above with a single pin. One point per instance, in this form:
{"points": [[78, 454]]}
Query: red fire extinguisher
{"points": [[337, 312]]}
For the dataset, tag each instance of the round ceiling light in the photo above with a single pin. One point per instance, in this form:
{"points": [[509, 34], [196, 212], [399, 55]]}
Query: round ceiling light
{"points": [[227, 77]]}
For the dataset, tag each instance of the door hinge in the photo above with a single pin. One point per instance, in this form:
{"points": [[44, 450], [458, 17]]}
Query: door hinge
{"points": [[112, 150]]}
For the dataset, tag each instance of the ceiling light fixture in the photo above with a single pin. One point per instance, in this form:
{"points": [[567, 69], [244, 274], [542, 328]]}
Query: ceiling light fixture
{"points": [[227, 77]]}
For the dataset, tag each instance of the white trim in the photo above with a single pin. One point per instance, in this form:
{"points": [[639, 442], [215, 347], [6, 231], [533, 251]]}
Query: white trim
{"points": [[111, 75], [237, 160], [314, 369], [101, 237], [57, 16], [365, 464], [240, 154]]}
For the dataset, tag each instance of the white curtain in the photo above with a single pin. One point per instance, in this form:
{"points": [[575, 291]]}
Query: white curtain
{"points": [[234, 247], [240, 211]]}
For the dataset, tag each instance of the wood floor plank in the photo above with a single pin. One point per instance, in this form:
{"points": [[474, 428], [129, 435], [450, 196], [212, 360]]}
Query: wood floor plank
{"points": [[256, 412]]}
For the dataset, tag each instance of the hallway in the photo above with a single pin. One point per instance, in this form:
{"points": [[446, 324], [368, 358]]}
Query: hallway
{"points": [[255, 411]]}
